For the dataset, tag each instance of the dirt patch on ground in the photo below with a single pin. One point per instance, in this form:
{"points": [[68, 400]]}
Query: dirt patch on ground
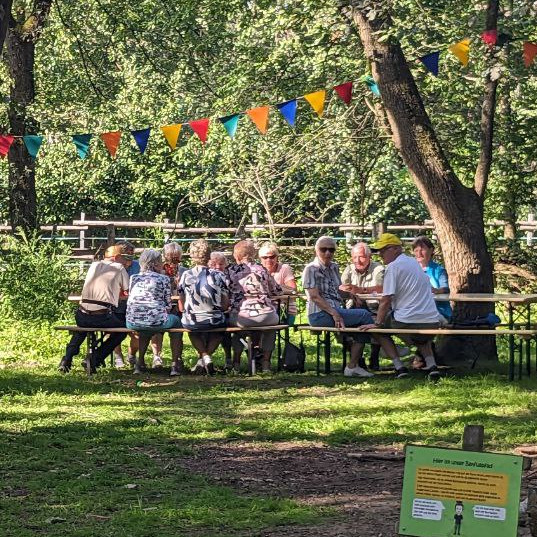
{"points": [[364, 487]]}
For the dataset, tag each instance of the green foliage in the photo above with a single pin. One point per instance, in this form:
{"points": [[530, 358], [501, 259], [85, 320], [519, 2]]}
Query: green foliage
{"points": [[35, 278]]}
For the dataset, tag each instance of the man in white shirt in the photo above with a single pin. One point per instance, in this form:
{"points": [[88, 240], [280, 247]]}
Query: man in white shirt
{"points": [[106, 283], [407, 300]]}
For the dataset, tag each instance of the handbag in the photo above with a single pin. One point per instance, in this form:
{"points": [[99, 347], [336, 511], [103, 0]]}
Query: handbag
{"points": [[294, 357]]}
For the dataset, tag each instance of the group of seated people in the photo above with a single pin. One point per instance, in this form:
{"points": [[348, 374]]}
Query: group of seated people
{"points": [[122, 292]]}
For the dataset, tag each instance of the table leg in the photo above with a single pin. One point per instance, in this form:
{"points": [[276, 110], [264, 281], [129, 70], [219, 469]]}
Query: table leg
{"points": [[318, 334], [511, 344], [327, 352], [90, 360], [528, 341], [520, 345], [279, 362], [344, 343]]}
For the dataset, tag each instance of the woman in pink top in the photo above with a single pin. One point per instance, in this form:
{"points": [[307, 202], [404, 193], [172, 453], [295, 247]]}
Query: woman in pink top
{"points": [[282, 274]]}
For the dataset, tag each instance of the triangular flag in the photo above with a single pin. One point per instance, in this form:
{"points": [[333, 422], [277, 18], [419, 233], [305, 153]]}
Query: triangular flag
{"points": [[372, 85], [82, 142], [5, 143], [288, 110], [33, 143], [230, 123], [431, 62], [141, 138], [345, 92], [461, 50], [200, 127], [111, 141], [316, 100], [259, 116], [490, 37], [530, 51], [171, 133]]}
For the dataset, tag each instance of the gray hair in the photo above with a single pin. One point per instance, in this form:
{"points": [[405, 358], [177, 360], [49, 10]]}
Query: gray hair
{"points": [[149, 260], [172, 248], [363, 245], [199, 251], [324, 239], [269, 247], [218, 255]]}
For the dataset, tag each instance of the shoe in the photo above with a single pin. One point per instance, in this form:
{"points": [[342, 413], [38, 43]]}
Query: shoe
{"points": [[157, 361], [119, 363], [401, 373], [178, 369], [432, 372], [357, 372], [207, 363], [198, 369], [131, 359], [139, 369], [64, 366]]}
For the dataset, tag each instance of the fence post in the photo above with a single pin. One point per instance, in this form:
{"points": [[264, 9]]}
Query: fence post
{"points": [[166, 233], [110, 234], [82, 234], [529, 234], [378, 229]]}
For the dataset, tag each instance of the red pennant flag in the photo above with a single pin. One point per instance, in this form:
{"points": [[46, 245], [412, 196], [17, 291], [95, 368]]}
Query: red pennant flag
{"points": [[5, 143], [111, 141], [490, 37], [345, 92], [200, 127], [530, 51]]}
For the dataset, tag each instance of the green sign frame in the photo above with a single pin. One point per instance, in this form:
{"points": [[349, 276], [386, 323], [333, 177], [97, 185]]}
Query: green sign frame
{"points": [[449, 492]]}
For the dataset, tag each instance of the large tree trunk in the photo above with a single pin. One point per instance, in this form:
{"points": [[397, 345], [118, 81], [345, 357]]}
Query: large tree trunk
{"points": [[455, 208], [5, 15], [22, 202]]}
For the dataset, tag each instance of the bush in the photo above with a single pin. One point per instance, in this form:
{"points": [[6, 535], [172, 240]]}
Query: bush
{"points": [[35, 278]]}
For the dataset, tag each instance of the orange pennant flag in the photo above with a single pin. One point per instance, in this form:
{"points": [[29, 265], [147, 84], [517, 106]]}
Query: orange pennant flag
{"points": [[530, 51], [316, 99], [171, 133], [259, 116], [111, 141]]}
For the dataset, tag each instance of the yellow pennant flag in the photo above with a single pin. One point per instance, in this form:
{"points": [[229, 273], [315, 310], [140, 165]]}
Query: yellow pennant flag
{"points": [[171, 133], [316, 99], [259, 116], [461, 50]]}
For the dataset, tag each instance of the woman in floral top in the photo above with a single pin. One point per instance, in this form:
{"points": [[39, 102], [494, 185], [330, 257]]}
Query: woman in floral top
{"points": [[148, 308], [251, 289]]}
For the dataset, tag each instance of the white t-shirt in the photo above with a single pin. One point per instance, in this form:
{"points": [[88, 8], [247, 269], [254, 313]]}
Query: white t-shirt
{"points": [[412, 298], [104, 282]]}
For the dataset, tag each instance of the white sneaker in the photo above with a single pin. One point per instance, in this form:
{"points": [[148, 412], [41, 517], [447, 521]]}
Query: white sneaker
{"points": [[119, 363], [157, 361], [198, 368], [357, 372]]}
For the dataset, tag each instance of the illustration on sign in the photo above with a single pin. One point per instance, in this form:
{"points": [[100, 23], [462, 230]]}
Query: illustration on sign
{"points": [[452, 492]]}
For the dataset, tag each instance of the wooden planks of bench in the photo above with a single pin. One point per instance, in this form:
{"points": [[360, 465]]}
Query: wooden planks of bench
{"points": [[74, 328], [426, 331]]}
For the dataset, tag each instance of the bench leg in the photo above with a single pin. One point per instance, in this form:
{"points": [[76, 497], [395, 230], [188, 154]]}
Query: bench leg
{"points": [[318, 335], [90, 361], [327, 353], [344, 345], [250, 352], [511, 345]]}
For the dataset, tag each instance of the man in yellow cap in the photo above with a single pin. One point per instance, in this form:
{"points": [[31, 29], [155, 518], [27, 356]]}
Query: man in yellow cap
{"points": [[407, 300], [106, 283]]}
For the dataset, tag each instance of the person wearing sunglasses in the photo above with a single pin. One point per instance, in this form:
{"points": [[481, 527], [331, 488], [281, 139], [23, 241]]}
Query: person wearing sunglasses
{"points": [[407, 301], [282, 273]]}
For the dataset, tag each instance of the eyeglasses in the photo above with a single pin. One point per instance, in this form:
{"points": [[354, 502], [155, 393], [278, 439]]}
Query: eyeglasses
{"points": [[268, 257], [325, 249]]}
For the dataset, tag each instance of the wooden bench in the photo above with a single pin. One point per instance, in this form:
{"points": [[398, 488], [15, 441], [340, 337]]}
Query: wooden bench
{"points": [[93, 333], [511, 333]]}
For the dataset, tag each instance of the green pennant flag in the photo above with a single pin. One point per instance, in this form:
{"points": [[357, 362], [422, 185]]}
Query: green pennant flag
{"points": [[32, 143]]}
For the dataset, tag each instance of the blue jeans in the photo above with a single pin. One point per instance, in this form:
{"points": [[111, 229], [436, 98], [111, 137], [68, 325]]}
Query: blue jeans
{"points": [[352, 318], [171, 322]]}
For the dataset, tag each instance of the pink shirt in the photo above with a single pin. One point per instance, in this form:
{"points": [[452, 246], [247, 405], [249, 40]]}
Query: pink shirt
{"points": [[283, 275]]}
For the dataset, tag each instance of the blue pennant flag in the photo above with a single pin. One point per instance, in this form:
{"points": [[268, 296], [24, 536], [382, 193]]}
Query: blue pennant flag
{"points": [[288, 110], [372, 85], [32, 143], [141, 138], [230, 123], [82, 142], [431, 62]]}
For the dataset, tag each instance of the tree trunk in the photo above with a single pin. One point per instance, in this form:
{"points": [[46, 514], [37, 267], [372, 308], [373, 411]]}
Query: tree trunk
{"points": [[5, 15], [455, 208], [22, 203]]}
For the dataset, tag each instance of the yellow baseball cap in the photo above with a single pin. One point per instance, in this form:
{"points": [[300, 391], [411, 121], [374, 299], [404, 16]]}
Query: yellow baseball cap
{"points": [[386, 239]]}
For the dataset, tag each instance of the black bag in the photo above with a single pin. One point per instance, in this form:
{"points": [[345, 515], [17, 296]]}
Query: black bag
{"points": [[294, 357]]}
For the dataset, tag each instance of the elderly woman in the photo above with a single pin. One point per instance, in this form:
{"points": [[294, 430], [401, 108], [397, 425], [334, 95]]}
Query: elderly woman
{"points": [[148, 309], [423, 249], [282, 274], [173, 269], [203, 298], [251, 306]]}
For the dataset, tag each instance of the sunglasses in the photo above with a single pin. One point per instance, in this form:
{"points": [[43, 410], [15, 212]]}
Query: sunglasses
{"points": [[268, 257], [325, 249]]}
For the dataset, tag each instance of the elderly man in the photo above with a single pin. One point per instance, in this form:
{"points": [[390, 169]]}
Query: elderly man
{"points": [[321, 282], [107, 282], [407, 300]]}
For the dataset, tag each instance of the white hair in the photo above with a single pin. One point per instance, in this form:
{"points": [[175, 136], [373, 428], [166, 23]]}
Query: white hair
{"points": [[172, 248], [269, 247], [149, 260], [218, 255], [324, 239], [363, 245]]}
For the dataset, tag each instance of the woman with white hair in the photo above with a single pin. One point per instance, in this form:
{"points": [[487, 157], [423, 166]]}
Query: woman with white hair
{"points": [[172, 267], [203, 298], [148, 308]]}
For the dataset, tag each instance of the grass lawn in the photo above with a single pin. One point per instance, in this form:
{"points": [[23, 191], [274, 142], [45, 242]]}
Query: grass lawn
{"points": [[105, 456]]}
